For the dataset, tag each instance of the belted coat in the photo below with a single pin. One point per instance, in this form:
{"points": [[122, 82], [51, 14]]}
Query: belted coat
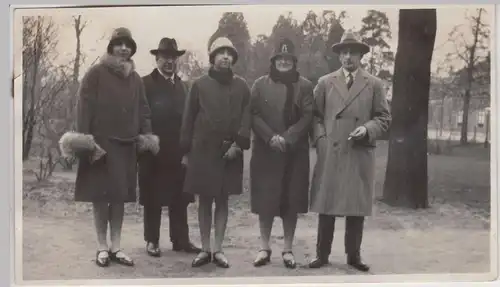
{"points": [[343, 177], [112, 107]]}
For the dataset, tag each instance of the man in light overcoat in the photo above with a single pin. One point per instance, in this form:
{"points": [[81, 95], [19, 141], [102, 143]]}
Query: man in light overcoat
{"points": [[351, 113]]}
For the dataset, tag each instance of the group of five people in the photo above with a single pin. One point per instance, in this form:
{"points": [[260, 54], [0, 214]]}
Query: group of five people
{"points": [[185, 143]]}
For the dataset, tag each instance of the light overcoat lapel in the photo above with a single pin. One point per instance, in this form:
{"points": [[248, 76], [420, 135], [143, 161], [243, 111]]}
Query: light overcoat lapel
{"points": [[359, 84]]}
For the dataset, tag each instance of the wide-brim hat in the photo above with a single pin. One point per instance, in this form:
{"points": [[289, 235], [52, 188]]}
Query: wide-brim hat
{"points": [[284, 48], [168, 46], [350, 40], [222, 43], [122, 34]]}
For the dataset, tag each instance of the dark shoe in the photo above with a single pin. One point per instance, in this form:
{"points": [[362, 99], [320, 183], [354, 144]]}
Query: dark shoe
{"points": [[289, 263], [202, 258], [261, 261], [188, 248], [153, 249], [102, 261], [318, 262], [356, 263], [220, 260], [121, 258]]}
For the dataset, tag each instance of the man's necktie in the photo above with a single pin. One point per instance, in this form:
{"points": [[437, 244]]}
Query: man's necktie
{"points": [[350, 80]]}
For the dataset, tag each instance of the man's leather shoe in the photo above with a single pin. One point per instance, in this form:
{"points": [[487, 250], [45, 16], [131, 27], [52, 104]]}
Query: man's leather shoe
{"points": [[153, 249], [188, 248], [318, 262], [356, 263]]}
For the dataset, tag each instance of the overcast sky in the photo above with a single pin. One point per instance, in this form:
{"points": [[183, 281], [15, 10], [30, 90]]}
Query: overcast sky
{"points": [[193, 26]]}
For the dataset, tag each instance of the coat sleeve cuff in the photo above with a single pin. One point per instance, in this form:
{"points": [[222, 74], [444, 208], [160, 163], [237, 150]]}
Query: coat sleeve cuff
{"points": [[243, 142]]}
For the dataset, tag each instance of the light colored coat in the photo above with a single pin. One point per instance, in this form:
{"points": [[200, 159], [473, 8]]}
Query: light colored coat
{"points": [[343, 179]]}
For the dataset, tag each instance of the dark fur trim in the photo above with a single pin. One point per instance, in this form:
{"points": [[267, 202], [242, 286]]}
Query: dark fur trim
{"points": [[120, 66]]}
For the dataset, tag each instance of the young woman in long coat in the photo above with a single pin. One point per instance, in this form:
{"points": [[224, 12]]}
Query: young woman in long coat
{"points": [[113, 112], [282, 112], [215, 129]]}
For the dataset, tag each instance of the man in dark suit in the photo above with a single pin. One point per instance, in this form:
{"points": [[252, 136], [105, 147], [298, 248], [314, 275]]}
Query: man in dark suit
{"points": [[161, 177]]}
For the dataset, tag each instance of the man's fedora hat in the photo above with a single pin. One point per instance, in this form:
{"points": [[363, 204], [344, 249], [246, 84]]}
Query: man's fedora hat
{"points": [[350, 40], [168, 46]]}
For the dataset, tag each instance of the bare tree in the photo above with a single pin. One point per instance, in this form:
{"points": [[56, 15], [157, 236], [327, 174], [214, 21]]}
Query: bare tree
{"points": [[39, 41], [470, 52]]}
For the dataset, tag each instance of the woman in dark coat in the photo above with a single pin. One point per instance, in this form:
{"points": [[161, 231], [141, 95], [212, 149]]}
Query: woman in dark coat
{"points": [[282, 107], [112, 111], [215, 129]]}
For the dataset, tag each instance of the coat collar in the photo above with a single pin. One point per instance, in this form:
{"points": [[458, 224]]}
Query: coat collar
{"points": [[157, 75], [360, 81], [348, 96]]}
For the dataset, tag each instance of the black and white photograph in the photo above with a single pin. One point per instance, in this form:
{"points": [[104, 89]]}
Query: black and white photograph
{"points": [[254, 144]]}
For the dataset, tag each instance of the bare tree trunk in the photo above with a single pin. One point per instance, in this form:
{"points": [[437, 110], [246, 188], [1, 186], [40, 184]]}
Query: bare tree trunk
{"points": [[406, 174], [30, 122], [470, 78], [79, 26]]}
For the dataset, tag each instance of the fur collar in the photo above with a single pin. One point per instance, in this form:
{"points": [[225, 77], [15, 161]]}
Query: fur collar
{"points": [[118, 65]]}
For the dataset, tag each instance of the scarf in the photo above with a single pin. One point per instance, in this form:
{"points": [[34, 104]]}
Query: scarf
{"points": [[224, 77], [288, 79]]}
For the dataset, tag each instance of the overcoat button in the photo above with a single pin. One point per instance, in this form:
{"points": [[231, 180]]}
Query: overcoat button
{"points": [[335, 144]]}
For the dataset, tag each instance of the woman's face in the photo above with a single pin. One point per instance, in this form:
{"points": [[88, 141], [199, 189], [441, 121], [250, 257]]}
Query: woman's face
{"points": [[283, 64], [122, 50], [223, 59]]}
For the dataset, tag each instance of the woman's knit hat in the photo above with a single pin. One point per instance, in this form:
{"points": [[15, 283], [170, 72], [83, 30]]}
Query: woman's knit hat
{"points": [[222, 43]]}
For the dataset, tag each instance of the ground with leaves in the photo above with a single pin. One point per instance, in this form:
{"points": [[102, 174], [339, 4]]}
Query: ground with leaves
{"points": [[452, 236]]}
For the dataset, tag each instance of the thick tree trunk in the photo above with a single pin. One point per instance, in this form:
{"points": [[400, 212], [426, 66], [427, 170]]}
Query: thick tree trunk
{"points": [[406, 175]]}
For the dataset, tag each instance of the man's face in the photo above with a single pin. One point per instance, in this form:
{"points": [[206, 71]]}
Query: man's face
{"points": [[223, 59], [350, 59], [166, 63]]}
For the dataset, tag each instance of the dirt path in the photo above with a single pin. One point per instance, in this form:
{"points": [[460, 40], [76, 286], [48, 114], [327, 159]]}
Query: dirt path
{"points": [[395, 242], [450, 237]]}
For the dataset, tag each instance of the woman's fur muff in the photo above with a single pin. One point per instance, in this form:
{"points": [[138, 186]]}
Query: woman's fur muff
{"points": [[150, 143], [73, 143]]}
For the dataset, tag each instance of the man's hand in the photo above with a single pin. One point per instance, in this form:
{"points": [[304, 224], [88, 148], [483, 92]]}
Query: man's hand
{"points": [[358, 133]]}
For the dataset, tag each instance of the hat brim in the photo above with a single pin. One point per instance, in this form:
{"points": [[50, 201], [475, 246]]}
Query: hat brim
{"points": [[170, 52], [231, 49], [130, 40], [361, 47], [293, 56]]}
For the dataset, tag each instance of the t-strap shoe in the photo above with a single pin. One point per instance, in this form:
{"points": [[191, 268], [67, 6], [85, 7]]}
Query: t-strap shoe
{"points": [[289, 259], [102, 258], [263, 258], [121, 258], [220, 259], [203, 258]]}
